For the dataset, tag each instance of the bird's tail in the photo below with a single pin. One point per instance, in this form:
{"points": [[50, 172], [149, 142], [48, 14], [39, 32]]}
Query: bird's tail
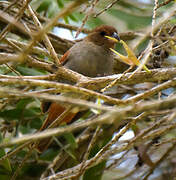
{"points": [[55, 110]]}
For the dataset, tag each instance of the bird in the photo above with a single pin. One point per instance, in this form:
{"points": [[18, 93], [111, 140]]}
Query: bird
{"points": [[90, 57]]}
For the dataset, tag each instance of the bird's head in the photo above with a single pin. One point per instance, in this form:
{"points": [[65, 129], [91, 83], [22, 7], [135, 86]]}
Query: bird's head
{"points": [[104, 35]]}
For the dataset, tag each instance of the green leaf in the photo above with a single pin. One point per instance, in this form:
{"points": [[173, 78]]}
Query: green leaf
{"points": [[49, 154], [3, 69], [5, 177], [94, 22], [16, 113], [53, 9], [11, 114], [44, 6], [29, 113], [132, 21], [60, 3], [32, 171], [71, 140], [5, 163], [95, 172], [23, 102], [24, 129], [73, 18], [68, 151], [29, 71], [66, 20], [36, 123]]}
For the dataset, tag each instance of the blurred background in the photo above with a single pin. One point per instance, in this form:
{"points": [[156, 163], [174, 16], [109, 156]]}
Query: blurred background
{"points": [[144, 145]]}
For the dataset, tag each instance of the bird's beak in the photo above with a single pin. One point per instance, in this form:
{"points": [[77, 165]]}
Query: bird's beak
{"points": [[115, 37]]}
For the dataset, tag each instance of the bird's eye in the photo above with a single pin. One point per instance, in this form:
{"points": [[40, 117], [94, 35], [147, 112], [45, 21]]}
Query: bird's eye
{"points": [[103, 33]]}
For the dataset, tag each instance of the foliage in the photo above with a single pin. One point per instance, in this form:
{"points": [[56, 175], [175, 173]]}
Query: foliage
{"points": [[138, 102]]}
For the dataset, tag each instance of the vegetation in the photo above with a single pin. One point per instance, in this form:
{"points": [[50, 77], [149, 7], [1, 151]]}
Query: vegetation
{"points": [[134, 101]]}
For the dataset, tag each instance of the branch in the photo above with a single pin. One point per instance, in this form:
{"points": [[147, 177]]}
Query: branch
{"points": [[114, 116], [60, 87], [161, 74]]}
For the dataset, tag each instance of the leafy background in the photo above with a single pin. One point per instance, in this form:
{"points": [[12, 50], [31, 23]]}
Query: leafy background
{"points": [[22, 115]]}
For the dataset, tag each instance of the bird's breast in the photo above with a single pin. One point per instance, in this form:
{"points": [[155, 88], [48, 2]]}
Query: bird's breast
{"points": [[90, 59]]}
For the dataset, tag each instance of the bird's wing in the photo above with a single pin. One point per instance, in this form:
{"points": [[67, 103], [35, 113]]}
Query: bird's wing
{"points": [[64, 58], [45, 105], [55, 110]]}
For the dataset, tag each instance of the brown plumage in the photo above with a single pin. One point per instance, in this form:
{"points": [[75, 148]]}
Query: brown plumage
{"points": [[90, 57]]}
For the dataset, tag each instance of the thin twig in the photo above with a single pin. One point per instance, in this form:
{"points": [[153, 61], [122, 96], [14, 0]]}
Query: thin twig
{"points": [[67, 10], [91, 144], [21, 165], [165, 155], [90, 11], [164, 3], [46, 39], [17, 17], [106, 8]]}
